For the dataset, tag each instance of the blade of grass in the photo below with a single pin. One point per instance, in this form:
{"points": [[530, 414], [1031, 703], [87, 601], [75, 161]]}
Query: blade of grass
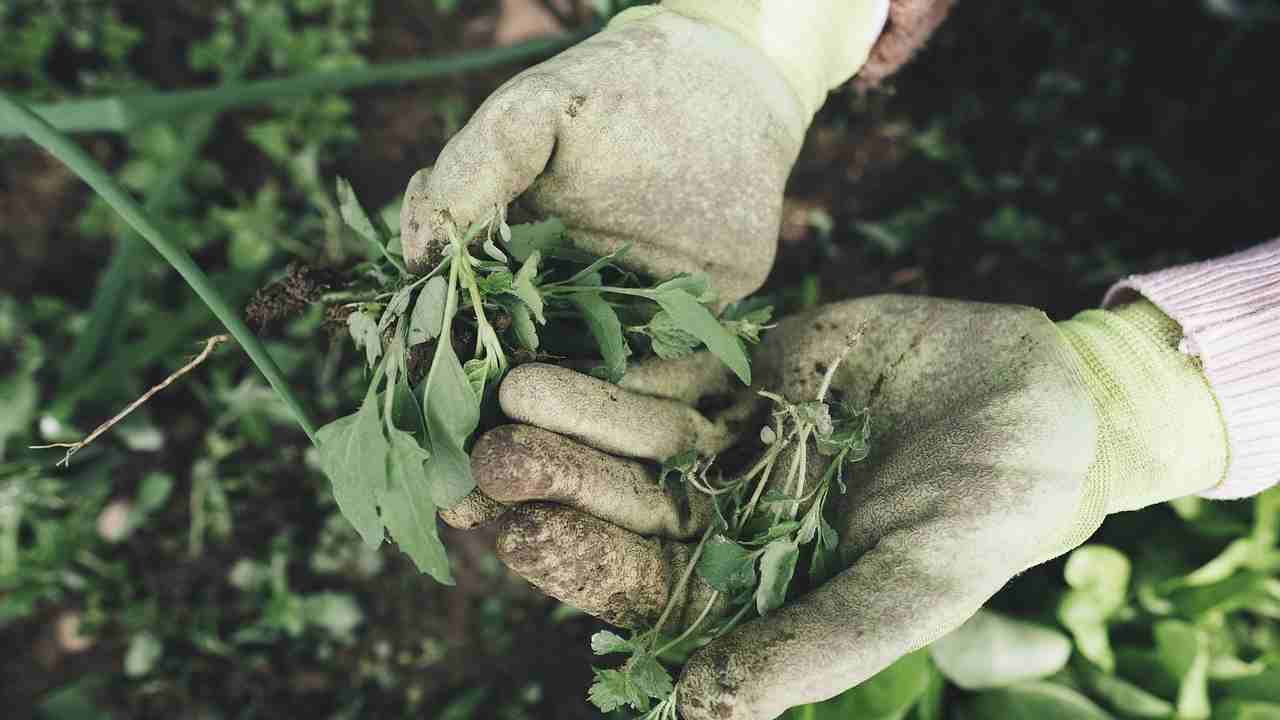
{"points": [[119, 114], [115, 289], [62, 148]]}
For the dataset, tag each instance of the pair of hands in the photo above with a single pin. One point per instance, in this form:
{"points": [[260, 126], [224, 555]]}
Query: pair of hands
{"points": [[673, 136]]}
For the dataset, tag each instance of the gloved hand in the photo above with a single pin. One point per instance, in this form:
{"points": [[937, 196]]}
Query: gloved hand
{"points": [[1000, 440], [674, 130]]}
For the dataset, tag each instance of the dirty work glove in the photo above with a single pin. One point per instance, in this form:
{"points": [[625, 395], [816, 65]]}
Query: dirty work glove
{"points": [[1000, 440], [674, 129]]}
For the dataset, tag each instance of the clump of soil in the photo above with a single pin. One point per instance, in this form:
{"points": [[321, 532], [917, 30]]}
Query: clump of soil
{"points": [[288, 297]]}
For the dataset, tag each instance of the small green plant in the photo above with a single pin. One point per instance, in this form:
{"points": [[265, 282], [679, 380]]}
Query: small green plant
{"points": [[765, 518], [403, 454]]}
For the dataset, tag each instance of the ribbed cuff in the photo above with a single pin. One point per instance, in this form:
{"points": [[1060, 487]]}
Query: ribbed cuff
{"points": [[1229, 310]]}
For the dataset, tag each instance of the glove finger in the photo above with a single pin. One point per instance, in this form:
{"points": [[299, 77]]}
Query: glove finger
{"points": [[686, 380], [607, 417], [604, 570], [491, 161], [474, 511], [519, 463]]}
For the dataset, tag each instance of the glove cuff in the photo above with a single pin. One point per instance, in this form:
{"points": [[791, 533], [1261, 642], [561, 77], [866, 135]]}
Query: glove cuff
{"points": [[817, 45], [1161, 434]]}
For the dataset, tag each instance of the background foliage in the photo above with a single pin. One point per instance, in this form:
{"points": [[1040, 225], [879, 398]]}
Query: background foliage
{"points": [[192, 562]]}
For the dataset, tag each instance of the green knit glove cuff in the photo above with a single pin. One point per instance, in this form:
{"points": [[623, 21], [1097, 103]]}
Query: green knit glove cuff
{"points": [[1161, 434]]}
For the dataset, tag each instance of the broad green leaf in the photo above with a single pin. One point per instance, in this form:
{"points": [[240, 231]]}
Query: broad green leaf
{"points": [[1263, 687], [606, 643], [992, 650], [1184, 651], [889, 694], [698, 321], [603, 323], [547, 238], [453, 412], [777, 566], [353, 453], [407, 509], [1123, 696], [1032, 701], [364, 333], [428, 313], [727, 566], [650, 677], [523, 288], [931, 704], [1238, 590], [695, 284], [522, 324]]}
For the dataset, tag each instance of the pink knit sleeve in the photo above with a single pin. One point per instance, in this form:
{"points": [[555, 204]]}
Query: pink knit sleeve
{"points": [[1229, 310]]}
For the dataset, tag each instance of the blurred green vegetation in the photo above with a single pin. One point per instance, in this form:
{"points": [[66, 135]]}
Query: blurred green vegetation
{"points": [[192, 562]]}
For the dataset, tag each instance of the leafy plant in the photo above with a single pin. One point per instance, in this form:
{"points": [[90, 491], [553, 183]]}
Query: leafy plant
{"points": [[403, 453], [765, 519]]}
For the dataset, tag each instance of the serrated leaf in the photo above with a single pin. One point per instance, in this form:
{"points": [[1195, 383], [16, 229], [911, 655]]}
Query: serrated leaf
{"points": [[495, 283], [452, 409], [427, 319], [365, 335], [407, 509], [607, 643], [650, 677], [669, 340], [604, 326], [614, 690], [727, 566], [777, 567], [991, 650], [698, 321], [353, 454]]}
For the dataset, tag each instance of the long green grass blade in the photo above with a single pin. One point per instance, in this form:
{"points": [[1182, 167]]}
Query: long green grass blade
{"points": [[119, 114], [61, 147]]}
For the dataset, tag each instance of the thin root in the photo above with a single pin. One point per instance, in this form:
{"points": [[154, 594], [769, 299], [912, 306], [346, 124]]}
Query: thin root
{"points": [[75, 447]]}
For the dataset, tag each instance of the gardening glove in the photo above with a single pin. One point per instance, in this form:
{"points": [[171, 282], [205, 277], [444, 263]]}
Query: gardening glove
{"points": [[1000, 440], [673, 130]]}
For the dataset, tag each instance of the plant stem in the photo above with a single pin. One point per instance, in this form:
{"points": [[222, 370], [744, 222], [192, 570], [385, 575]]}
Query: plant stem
{"points": [[122, 113], [61, 147], [689, 630], [684, 580]]}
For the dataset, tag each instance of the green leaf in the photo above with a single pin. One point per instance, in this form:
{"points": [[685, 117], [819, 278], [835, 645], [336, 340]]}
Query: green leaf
{"points": [[1263, 687], [607, 643], [1032, 701], [727, 566], [547, 238], [364, 332], [777, 567], [696, 320], [889, 694], [669, 340], [992, 650], [354, 215], [603, 323], [495, 283], [597, 265], [428, 313], [1184, 652], [1123, 696], [353, 454], [613, 690], [522, 325], [144, 652], [695, 284], [650, 677], [453, 412], [1244, 710], [1099, 578], [407, 509], [523, 287]]}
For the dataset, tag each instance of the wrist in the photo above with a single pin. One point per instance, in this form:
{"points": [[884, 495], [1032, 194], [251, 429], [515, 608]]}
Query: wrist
{"points": [[1161, 434], [816, 45]]}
